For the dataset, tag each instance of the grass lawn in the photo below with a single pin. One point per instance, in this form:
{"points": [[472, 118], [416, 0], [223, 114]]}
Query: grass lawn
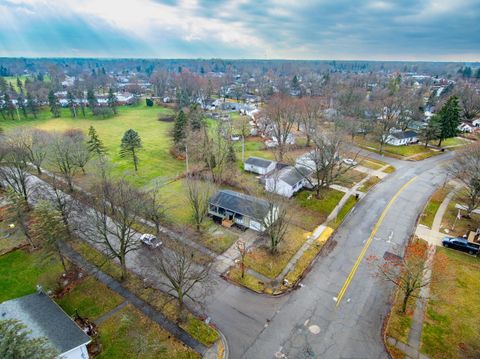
{"points": [[372, 181], [155, 159], [433, 204], [249, 281], [9, 238], [270, 265], [455, 141], [90, 299], [458, 227], [351, 178], [21, 271], [396, 151], [351, 201], [370, 163], [451, 328], [323, 205], [217, 238], [130, 334]]}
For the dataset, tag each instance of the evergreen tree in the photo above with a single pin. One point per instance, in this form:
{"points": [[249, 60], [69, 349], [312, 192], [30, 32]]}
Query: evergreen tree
{"points": [[92, 101], [94, 143], [129, 146], [20, 85], [195, 117], [112, 100], [8, 107], [21, 104], [179, 129], [71, 104], [449, 119], [231, 155], [432, 131], [3, 85], [17, 343], [54, 105], [32, 105]]}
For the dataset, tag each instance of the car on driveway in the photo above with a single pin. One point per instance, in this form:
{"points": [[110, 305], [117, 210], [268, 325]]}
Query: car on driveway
{"points": [[350, 162], [461, 244], [150, 240]]}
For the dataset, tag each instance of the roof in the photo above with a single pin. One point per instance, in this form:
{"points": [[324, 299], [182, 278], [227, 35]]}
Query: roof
{"points": [[292, 175], [404, 134], [259, 162], [241, 203], [44, 318]]}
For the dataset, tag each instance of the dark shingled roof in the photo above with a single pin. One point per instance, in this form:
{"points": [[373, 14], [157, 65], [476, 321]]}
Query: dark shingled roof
{"points": [[241, 203], [259, 162], [404, 134], [293, 175], [44, 318]]}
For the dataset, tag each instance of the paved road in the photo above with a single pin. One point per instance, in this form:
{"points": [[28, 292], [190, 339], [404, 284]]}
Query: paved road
{"points": [[307, 323]]}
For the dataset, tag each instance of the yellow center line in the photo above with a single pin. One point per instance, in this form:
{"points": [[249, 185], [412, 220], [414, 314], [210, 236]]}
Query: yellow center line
{"points": [[369, 241]]}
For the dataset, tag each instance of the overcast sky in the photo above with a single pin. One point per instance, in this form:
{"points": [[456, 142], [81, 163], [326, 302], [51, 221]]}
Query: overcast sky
{"points": [[289, 29]]}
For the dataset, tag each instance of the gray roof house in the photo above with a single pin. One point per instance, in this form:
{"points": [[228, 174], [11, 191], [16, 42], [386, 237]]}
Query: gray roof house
{"points": [[241, 209], [288, 180], [44, 318], [402, 138], [259, 165]]}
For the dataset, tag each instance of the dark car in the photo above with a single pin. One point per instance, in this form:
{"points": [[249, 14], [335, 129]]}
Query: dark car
{"points": [[461, 244]]}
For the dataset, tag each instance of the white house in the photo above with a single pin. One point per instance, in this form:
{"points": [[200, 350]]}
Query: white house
{"points": [[243, 210], [287, 180], [476, 122], [402, 138], [44, 318], [259, 165], [465, 127]]}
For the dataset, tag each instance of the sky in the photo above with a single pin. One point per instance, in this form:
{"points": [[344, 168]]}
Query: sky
{"points": [[429, 30]]}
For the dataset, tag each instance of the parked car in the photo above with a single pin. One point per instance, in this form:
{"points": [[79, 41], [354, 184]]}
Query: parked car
{"points": [[150, 240], [350, 162], [461, 244]]}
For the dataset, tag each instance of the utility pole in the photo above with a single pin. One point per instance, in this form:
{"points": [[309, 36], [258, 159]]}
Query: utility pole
{"points": [[243, 148], [186, 157]]}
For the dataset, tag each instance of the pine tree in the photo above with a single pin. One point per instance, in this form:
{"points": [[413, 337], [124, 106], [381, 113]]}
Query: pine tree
{"points": [[32, 105], [449, 119], [8, 106], [432, 131], [231, 156], [71, 104], [16, 342], [112, 101], [92, 101], [54, 105], [20, 85], [94, 143], [179, 129], [129, 146], [3, 85]]}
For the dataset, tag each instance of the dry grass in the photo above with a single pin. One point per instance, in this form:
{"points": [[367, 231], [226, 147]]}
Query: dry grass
{"points": [[451, 328], [462, 226], [249, 281], [433, 204], [368, 184]]}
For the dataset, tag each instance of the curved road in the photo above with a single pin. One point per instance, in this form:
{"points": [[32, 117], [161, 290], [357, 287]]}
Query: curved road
{"points": [[308, 323]]}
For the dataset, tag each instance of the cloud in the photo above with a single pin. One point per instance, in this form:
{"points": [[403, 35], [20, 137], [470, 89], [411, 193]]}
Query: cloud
{"points": [[323, 29]]}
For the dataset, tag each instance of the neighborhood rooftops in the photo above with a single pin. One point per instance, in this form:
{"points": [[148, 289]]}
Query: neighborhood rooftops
{"points": [[292, 175], [44, 318], [258, 162], [241, 203], [404, 134]]}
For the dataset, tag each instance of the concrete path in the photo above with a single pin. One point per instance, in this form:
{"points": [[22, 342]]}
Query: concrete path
{"points": [[141, 305]]}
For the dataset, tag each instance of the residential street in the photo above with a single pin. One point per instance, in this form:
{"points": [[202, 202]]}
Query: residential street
{"points": [[260, 327], [307, 323]]}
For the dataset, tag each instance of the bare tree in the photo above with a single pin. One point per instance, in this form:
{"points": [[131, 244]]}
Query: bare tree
{"points": [[214, 152], [155, 207], [13, 170], [34, 142], [323, 163], [469, 100], [309, 115], [62, 157], [386, 108], [116, 211], [181, 276], [64, 204], [242, 251], [19, 213], [198, 195], [279, 118], [466, 169], [351, 106], [274, 221]]}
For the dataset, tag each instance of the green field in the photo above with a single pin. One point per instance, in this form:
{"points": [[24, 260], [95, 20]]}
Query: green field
{"points": [[451, 328], [155, 159]]}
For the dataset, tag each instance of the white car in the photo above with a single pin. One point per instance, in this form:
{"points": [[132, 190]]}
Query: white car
{"points": [[350, 162], [150, 240]]}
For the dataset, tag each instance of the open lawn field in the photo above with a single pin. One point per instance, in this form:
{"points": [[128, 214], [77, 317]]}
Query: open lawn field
{"points": [[451, 328], [155, 159], [398, 151]]}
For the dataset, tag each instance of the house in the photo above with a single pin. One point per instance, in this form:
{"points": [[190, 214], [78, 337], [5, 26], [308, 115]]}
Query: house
{"points": [[259, 165], [44, 318], [288, 180], [465, 127], [476, 122], [237, 208], [402, 138]]}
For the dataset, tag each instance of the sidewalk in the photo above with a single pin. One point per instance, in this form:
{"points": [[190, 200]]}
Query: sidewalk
{"points": [[144, 307]]}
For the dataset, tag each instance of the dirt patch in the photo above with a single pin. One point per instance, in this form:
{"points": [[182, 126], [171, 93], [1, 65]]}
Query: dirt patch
{"points": [[167, 119], [328, 247]]}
